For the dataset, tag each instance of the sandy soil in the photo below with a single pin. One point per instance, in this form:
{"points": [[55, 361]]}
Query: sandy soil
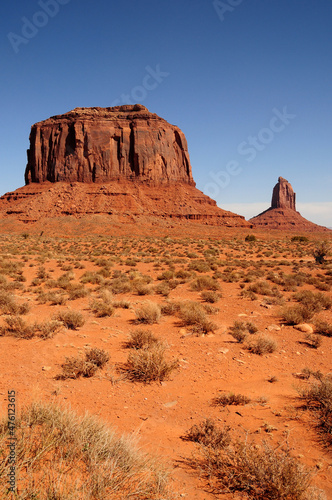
{"points": [[209, 365]]}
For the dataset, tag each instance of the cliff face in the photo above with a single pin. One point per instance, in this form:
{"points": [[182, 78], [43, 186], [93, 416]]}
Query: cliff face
{"points": [[283, 195], [108, 144], [81, 171]]}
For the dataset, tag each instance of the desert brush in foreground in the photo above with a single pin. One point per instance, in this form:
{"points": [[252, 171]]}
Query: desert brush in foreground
{"points": [[259, 471], [63, 456]]}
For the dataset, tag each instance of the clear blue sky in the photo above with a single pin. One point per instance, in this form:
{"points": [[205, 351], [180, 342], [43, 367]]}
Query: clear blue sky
{"points": [[226, 72]]}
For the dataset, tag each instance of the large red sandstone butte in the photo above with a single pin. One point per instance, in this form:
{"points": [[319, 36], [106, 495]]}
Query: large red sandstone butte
{"points": [[108, 144], [282, 214], [106, 167]]}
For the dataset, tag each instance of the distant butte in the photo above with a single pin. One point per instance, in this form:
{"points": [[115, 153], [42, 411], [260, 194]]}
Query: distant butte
{"points": [[108, 167], [282, 214]]}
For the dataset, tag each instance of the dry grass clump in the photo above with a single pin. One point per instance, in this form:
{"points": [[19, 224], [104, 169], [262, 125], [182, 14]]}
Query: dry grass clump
{"points": [[77, 291], [240, 329], [71, 319], [141, 339], [149, 365], [8, 305], [170, 308], [193, 314], [55, 298], [208, 433], [231, 399], [259, 472], [149, 312], [210, 296], [294, 315], [318, 399], [323, 327], [262, 288], [263, 344], [61, 455], [313, 301], [120, 285], [97, 356], [75, 367], [204, 283], [200, 266], [313, 340], [102, 308], [15, 326]]}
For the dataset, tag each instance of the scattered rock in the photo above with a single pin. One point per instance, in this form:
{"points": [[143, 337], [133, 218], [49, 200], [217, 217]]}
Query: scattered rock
{"points": [[271, 328], [304, 327], [170, 404], [46, 368]]}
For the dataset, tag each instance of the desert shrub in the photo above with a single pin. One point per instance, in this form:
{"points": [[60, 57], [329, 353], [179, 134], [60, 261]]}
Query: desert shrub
{"points": [[170, 308], [71, 319], [183, 275], [240, 329], [315, 301], [295, 315], [257, 471], [264, 344], [122, 304], [163, 289], [210, 296], [17, 327], [97, 356], [166, 275], [149, 312], [92, 278], [142, 288], [323, 327], [193, 314], [148, 365], [250, 237], [231, 399], [8, 305], [313, 340], [77, 291], [318, 399], [141, 339], [321, 251], [55, 298], [263, 288], [120, 285], [208, 433], [201, 266], [300, 239], [102, 308], [75, 367], [66, 456], [47, 329], [204, 283]]}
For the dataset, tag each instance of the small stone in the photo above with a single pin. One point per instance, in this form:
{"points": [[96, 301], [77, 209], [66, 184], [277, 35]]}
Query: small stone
{"points": [[304, 327], [46, 368], [273, 327], [170, 404]]}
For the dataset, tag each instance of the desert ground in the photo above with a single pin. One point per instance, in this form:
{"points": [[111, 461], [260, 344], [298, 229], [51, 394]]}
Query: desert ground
{"points": [[212, 351]]}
